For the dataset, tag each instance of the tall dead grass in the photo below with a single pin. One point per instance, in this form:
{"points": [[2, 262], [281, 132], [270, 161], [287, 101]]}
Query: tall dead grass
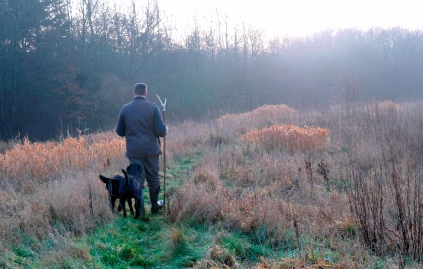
{"points": [[67, 206], [186, 139], [355, 177], [264, 116], [53, 187], [350, 185], [30, 163], [386, 174], [260, 186], [289, 137]]}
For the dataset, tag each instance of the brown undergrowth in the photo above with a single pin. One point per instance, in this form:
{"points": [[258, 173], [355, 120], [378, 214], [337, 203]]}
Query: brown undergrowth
{"points": [[341, 194], [258, 183], [289, 137], [53, 186], [286, 184]]}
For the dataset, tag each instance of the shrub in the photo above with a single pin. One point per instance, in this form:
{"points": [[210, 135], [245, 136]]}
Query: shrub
{"points": [[289, 137], [49, 160], [267, 115]]}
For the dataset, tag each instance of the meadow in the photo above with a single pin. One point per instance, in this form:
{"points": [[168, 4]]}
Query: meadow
{"points": [[338, 187]]}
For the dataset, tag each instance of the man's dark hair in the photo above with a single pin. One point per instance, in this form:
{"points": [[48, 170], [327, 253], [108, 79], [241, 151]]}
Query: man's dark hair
{"points": [[140, 89]]}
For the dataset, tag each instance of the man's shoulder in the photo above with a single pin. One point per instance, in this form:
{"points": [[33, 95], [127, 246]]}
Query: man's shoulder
{"points": [[150, 103], [136, 103], [141, 99], [127, 104]]}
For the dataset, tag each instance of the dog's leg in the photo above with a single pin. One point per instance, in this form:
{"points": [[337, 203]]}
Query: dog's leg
{"points": [[122, 204], [113, 203], [130, 206], [137, 180]]}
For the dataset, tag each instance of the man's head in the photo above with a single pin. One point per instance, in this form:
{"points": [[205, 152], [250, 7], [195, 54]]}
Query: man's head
{"points": [[140, 89]]}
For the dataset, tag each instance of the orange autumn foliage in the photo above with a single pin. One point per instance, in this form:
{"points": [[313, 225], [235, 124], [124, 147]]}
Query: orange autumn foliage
{"points": [[51, 159], [289, 137]]}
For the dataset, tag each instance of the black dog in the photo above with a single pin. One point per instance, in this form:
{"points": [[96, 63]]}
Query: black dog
{"points": [[130, 188], [112, 186]]}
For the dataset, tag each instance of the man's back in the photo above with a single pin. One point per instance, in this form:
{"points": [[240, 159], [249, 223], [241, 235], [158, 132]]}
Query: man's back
{"points": [[141, 123]]}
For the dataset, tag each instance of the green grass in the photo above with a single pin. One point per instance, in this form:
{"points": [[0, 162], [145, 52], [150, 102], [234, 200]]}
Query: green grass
{"points": [[155, 243]]}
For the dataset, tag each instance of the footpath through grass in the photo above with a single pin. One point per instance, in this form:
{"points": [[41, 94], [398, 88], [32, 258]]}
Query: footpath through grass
{"points": [[153, 242], [157, 242]]}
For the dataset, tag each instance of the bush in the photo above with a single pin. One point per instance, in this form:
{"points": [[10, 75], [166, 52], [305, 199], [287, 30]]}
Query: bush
{"points": [[289, 137]]}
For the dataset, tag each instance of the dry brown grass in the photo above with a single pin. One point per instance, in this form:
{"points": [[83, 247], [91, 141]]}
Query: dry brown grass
{"points": [[270, 185], [54, 187], [235, 125], [289, 137], [386, 178], [65, 205], [260, 200], [41, 162], [263, 114], [285, 182], [263, 185], [186, 139]]}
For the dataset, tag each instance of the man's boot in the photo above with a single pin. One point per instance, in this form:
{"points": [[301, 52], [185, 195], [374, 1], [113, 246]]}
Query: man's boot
{"points": [[154, 199], [137, 172]]}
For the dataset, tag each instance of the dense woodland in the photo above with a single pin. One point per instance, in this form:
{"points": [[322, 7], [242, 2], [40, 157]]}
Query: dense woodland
{"points": [[68, 65]]}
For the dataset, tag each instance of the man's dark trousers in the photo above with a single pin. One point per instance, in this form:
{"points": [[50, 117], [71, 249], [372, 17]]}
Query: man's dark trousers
{"points": [[150, 171]]}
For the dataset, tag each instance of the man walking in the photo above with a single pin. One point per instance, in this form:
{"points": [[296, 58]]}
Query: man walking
{"points": [[141, 123]]}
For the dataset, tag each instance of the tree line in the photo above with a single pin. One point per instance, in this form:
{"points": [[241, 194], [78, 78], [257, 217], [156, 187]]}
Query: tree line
{"points": [[70, 65]]}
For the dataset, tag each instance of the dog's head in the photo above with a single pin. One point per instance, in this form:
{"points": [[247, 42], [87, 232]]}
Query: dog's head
{"points": [[112, 184]]}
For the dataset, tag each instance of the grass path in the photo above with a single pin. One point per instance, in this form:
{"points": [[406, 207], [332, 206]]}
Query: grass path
{"points": [[154, 242]]}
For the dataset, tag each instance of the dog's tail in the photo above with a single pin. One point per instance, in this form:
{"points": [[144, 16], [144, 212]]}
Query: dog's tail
{"points": [[126, 178]]}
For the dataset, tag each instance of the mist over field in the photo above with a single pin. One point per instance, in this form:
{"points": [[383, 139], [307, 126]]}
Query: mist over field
{"points": [[282, 152], [67, 68]]}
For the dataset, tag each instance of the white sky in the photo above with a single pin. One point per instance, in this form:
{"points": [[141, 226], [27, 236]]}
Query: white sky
{"points": [[300, 17], [296, 17]]}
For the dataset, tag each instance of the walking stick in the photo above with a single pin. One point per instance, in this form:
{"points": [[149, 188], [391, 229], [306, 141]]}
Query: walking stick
{"points": [[164, 153]]}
